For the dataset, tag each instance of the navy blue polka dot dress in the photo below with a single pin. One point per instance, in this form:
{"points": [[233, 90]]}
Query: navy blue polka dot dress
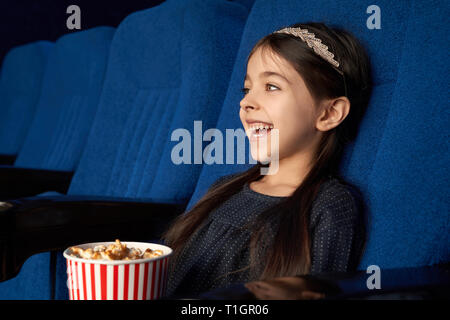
{"points": [[218, 254]]}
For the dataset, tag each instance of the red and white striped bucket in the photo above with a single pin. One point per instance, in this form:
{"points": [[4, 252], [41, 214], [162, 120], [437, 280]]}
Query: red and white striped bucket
{"points": [[142, 279]]}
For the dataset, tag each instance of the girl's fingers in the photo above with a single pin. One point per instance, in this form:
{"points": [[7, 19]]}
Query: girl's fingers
{"points": [[259, 284], [310, 295], [261, 295], [263, 290], [257, 291], [252, 288], [263, 285]]}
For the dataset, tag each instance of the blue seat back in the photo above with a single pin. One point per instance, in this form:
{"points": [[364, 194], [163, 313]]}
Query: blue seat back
{"points": [[20, 88], [407, 185], [68, 103], [165, 71], [71, 88], [407, 217], [246, 3]]}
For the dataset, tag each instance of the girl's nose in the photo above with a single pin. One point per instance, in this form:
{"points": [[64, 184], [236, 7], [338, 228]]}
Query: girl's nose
{"points": [[248, 107], [247, 104]]}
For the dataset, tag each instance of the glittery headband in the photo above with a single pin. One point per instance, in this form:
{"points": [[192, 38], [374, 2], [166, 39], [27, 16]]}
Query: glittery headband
{"points": [[316, 44]]}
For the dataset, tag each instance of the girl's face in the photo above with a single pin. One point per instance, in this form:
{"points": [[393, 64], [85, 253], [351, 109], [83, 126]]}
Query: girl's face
{"points": [[275, 95]]}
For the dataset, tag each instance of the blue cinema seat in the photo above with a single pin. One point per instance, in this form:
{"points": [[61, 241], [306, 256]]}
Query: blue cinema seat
{"points": [[147, 99], [165, 71], [369, 162], [246, 3], [20, 88], [71, 88], [68, 102], [399, 161]]}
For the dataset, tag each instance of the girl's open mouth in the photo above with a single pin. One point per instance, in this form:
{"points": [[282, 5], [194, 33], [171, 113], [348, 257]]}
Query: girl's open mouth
{"points": [[260, 131]]}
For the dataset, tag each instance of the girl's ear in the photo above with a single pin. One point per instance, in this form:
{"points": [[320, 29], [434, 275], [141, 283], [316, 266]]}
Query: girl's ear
{"points": [[332, 113]]}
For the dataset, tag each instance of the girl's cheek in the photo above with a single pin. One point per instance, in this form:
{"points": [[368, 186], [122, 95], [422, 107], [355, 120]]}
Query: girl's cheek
{"points": [[292, 132], [241, 116]]}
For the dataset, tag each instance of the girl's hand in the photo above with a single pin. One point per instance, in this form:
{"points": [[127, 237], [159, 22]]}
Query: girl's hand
{"points": [[284, 288]]}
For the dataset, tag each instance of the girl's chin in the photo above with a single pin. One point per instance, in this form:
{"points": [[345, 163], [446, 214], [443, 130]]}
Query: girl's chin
{"points": [[262, 155], [266, 160]]}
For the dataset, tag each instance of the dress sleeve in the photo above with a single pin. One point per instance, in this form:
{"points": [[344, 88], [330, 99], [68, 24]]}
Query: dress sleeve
{"points": [[338, 232]]}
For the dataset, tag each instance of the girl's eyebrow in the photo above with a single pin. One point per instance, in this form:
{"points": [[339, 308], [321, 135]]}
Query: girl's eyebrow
{"points": [[267, 74]]}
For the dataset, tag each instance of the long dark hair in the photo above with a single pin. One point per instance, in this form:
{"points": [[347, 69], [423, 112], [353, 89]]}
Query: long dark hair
{"points": [[286, 251]]}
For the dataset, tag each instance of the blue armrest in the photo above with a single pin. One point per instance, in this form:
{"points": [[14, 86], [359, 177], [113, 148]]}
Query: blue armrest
{"points": [[39, 224], [7, 159], [433, 281], [23, 182]]}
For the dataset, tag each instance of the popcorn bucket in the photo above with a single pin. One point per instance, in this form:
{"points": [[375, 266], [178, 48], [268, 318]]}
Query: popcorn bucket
{"points": [[140, 279]]}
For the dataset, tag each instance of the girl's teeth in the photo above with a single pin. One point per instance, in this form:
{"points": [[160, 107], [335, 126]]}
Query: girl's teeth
{"points": [[257, 129], [262, 127]]}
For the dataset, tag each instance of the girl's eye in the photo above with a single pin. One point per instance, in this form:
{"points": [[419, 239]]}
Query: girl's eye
{"points": [[268, 86], [244, 90], [271, 85]]}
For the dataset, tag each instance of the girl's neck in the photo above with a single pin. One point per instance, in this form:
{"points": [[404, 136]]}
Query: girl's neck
{"points": [[291, 171]]}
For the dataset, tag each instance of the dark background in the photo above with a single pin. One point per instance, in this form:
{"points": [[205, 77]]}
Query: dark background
{"points": [[24, 21]]}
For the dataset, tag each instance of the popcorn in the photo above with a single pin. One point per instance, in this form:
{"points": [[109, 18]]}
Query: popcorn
{"points": [[115, 251]]}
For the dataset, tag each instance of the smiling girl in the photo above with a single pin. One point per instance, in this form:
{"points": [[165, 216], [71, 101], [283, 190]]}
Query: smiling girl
{"points": [[311, 83]]}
